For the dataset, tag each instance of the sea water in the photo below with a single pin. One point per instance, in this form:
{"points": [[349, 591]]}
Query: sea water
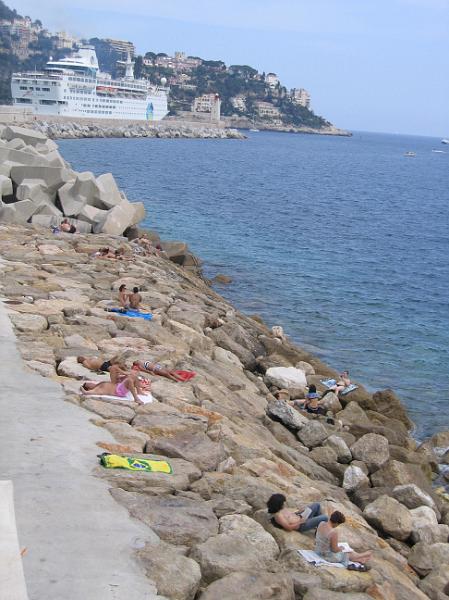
{"points": [[343, 241]]}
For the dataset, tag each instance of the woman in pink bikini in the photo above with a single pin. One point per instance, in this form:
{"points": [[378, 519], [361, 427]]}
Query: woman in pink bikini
{"points": [[120, 389]]}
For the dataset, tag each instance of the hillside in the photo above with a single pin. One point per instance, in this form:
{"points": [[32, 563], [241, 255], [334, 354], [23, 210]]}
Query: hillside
{"points": [[241, 88], [244, 92]]}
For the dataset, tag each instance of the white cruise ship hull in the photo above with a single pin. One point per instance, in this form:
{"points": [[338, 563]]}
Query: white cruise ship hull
{"points": [[73, 87]]}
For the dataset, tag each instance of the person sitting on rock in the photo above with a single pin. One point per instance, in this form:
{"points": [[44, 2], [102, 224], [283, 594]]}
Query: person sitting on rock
{"points": [[130, 383], [326, 545], [123, 297], [301, 520], [135, 299], [311, 402]]}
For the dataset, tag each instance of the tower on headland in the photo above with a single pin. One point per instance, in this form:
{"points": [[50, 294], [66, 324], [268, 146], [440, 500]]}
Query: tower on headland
{"points": [[215, 109], [208, 103]]}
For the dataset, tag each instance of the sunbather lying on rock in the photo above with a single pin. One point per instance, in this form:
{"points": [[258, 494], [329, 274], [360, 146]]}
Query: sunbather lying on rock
{"points": [[301, 520], [67, 227], [95, 363], [326, 545], [129, 384], [342, 383], [157, 369]]}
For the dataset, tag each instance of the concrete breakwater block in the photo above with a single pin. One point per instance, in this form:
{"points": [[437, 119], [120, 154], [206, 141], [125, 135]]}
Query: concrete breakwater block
{"points": [[38, 186]]}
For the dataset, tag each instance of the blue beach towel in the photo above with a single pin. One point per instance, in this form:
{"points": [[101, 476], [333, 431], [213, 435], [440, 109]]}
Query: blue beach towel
{"points": [[329, 382], [349, 388], [132, 313]]}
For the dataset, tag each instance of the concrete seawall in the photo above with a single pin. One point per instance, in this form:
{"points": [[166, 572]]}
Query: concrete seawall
{"points": [[79, 541]]}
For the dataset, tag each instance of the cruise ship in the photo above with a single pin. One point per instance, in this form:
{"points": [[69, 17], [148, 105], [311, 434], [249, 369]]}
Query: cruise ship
{"points": [[75, 87]]}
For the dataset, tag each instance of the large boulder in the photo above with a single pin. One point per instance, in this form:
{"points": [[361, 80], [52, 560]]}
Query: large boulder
{"points": [[160, 421], [424, 558], [127, 435], [286, 377], [431, 534], [423, 516], [29, 323], [242, 545], [281, 411], [436, 584], [252, 585], [394, 473], [195, 447], [176, 576], [372, 449], [108, 410], [440, 439], [175, 519], [340, 447], [312, 434], [391, 517], [354, 478]]}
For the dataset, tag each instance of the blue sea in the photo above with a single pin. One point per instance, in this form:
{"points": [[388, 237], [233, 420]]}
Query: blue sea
{"points": [[342, 241]]}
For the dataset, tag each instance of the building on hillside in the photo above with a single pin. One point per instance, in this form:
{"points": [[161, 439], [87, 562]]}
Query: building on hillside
{"points": [[239, 102], [300, 96], [272, 80], [179, 63], [208, 103], [64, 40], [21, 32], [265, 109], [121, 47], [148, 62]]}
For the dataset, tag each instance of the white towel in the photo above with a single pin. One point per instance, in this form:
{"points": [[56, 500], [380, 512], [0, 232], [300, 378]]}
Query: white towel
{"points": [[312, 557], [146, 399]]}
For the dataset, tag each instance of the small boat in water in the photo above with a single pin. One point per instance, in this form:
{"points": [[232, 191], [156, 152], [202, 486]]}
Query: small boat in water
{"points": [[439, 151], [445, 141], [410, 154], [254, 130]]}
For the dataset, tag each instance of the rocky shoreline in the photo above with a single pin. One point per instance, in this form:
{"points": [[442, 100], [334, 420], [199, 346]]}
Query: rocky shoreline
{"points": [[230, 441]]}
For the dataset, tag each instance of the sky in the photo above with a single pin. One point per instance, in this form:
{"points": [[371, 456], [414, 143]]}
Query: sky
{"points": [[370, 65]]}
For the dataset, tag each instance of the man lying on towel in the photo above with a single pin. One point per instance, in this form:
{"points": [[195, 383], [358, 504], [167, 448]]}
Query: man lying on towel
{"points": [[157, 369]]}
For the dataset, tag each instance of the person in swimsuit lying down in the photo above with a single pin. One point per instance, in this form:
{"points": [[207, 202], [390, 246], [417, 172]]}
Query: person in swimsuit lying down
{"points": [[129, 384], [98, 364], [301, 520], [155, 369], [342, 383], [326, 545]]}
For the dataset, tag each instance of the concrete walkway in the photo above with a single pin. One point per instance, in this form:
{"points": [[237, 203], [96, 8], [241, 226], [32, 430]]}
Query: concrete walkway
{"points": [[79, 540]]}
